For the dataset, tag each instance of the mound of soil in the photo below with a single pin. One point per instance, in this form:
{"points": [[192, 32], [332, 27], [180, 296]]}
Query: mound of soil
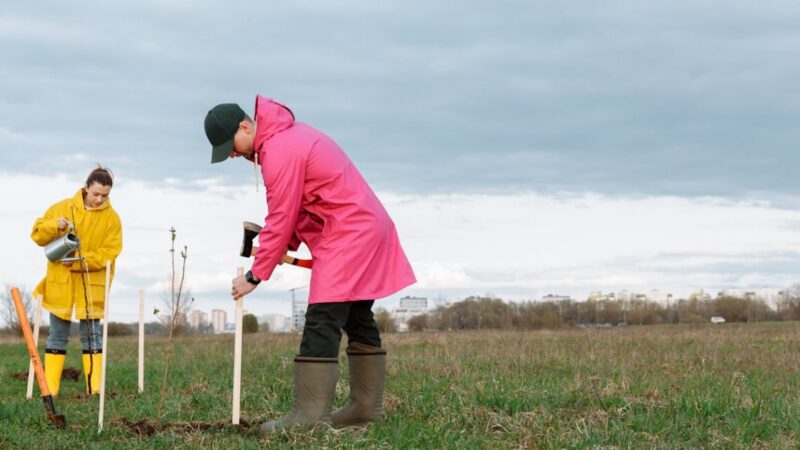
{"points": [[70, 373], [145, 427]]}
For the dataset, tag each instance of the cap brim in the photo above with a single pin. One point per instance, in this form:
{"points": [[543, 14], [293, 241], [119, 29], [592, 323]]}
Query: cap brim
{"points": [[221, 152]]}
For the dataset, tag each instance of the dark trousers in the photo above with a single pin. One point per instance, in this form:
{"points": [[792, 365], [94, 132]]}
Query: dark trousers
{"points": [[322, 333]]}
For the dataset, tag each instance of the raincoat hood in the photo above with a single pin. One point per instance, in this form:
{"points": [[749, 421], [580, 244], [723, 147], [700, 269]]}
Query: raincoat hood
{"points": [[77, 201], [271, 118]]}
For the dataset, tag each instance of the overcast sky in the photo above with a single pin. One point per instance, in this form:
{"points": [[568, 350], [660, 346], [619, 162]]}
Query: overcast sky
{"points": [[481, 113]]}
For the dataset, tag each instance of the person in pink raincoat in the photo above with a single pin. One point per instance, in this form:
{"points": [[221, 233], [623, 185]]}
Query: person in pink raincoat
{"points": [[315, 195]]}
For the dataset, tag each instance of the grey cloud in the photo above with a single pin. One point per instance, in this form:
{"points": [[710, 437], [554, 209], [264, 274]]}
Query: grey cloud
{"points": [[688, 272], [617, 97]]}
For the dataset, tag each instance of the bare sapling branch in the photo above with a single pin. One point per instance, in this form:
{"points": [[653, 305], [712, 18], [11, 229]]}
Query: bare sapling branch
{"points": [[176, 312]]}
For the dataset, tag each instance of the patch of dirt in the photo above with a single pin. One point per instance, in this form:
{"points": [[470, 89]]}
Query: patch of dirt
{"points": [[110, 395], [70, 373], [145, 427]]}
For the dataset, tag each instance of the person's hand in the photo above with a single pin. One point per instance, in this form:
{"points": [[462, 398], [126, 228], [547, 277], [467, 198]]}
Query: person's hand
{"points": [[241, 287], [67, 263], [63, 223]]}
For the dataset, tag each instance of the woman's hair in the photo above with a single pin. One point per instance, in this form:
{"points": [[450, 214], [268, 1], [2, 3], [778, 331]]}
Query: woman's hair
{"points": [[102, 176]]}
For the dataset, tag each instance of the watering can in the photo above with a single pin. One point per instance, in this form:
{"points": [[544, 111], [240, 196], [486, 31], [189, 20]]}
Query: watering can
{"points": [[60, 247]]}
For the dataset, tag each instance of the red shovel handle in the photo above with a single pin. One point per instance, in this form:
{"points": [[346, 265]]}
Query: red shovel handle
{"points": [[306, 263]]}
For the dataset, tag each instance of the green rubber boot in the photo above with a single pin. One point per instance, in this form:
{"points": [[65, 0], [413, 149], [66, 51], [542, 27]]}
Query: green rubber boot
{"points": [[314, 386], [367, 374]]}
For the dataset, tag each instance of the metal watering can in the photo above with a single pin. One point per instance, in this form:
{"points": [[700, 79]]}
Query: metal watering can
{"points": [[63, 246]]}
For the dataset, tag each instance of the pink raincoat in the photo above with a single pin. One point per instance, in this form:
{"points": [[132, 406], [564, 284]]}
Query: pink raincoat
{"points": [[317, 196]]}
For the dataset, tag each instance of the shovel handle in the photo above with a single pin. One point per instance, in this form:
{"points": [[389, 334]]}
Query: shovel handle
{"points": [[26, 332], [57, 419], [305, 263]]}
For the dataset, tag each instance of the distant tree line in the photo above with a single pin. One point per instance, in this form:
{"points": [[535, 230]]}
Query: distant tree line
{"points": [[477, 313]]}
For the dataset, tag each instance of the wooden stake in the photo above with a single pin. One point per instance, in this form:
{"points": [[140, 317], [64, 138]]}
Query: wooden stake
{"points": [[37, 318], [141, 341], [237, 356], [105, 350]]}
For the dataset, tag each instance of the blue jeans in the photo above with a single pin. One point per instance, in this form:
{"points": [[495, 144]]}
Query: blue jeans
{"points": [[59, 334]]}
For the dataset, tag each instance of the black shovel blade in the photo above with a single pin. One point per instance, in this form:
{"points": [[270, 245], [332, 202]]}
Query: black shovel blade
{"points": [[58, 419]]}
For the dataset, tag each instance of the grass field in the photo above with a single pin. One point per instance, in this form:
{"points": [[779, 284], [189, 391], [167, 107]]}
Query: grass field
{"points": [[730, 386]]}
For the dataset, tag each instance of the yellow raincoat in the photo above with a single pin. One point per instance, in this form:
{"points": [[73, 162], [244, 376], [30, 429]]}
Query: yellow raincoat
{"points": [[100, 233]]}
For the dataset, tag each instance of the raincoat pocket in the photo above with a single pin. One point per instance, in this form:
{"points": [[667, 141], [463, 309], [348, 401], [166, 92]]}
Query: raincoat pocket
{"points": [[57, 298], [58, 275], [310, 228], [89, 301], [97, 284]]}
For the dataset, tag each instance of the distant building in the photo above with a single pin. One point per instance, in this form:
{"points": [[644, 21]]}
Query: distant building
{"points": [[702, 296], [418, 303], [660, 297], [198, 319], [180, 319], [299, 308], [625, 295], [218, 319], [550, 298], [600, 297], [408, 308], [737, 293], [770, 296], [276, 323]]}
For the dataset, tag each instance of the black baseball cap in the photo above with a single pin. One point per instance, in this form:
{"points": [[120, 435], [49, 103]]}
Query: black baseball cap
{"points": [[221, 124]]}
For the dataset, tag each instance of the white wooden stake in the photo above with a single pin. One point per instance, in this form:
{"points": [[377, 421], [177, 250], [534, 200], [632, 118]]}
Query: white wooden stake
{"points": [[105, 350], [141, 341], [37, 317], [237, 356]]}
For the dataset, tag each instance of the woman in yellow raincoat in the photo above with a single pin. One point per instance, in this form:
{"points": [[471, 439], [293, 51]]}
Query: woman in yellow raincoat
{"points": [[79, 287]]}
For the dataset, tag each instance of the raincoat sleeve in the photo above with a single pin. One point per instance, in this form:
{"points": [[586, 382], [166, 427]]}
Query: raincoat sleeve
{"points": [[45, 229], [108, 250], [285, 182], [295, 241]]}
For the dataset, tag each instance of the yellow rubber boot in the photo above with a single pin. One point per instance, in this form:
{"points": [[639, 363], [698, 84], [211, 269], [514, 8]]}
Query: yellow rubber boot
{"points": [[53, 366], [92, 370]]}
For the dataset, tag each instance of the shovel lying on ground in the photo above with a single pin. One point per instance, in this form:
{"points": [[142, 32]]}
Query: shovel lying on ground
{"points": [[58, 419], [247, 250]]}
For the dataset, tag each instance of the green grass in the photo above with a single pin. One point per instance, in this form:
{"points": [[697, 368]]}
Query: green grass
{"points": [[731, 386]]}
